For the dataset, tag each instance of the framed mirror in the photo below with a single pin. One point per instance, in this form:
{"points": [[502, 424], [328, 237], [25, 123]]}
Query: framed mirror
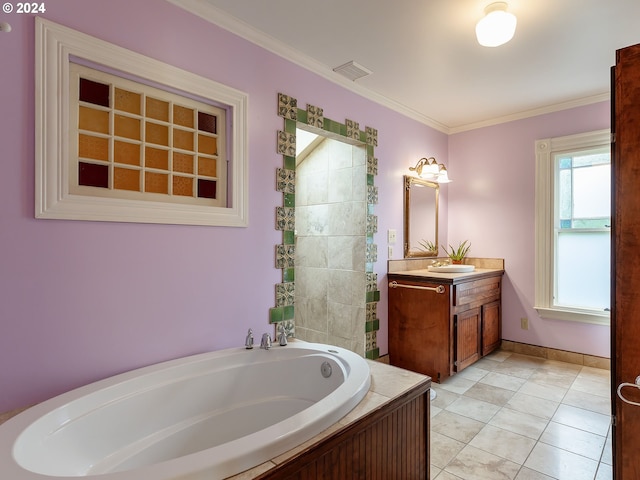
{"points": [[420, 217]]}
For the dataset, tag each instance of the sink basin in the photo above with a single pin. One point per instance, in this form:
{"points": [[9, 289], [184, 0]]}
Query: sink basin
{"points": [[452, 268]]}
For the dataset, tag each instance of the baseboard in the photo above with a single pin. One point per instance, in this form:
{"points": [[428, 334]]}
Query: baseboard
{"points": [[555, 354]]}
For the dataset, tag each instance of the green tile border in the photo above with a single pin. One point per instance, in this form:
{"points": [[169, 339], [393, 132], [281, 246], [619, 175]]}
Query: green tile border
{"points": [[289, 111]]}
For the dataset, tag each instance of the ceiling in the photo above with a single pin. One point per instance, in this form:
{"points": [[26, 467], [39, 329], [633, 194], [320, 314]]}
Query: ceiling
{"points": [[425, 60]]}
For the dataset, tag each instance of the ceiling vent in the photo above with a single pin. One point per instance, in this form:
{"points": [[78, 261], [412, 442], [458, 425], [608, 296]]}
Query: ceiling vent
{"points": [[352, 70]]}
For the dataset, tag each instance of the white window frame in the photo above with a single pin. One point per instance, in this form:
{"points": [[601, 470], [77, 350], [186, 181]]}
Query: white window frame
{"points": [[55, 47], [545, 192]]}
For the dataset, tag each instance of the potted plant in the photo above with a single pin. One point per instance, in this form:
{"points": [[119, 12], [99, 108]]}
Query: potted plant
{"points": [[457, 254]]}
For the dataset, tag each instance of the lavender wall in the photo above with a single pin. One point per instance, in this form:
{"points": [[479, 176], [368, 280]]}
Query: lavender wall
{"points": [[492, 203], [83, 300]]}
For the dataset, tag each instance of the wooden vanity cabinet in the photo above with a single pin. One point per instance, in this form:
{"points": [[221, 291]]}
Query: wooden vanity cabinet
{"points": [[439, 334]]}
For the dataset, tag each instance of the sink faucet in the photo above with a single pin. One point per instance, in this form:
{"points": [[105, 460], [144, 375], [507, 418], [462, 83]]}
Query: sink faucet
{"points": [[248, 342], [266, 341]]}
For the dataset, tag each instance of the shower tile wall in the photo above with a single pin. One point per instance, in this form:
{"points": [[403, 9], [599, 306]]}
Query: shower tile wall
{"points": [[331, 220]]}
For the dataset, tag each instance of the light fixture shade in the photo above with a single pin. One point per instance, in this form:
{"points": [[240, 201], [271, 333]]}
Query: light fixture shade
{"points": [[443, 176], [497, 27]]}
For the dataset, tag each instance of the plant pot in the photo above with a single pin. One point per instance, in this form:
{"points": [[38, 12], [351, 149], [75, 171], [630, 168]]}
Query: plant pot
{"points": [[457, 262]]}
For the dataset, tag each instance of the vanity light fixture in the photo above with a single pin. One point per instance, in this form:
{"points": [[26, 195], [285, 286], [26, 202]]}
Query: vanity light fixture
{"points": [[497, 27], [430, 169]]}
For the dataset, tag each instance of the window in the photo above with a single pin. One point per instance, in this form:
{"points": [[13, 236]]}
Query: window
{"points": [[573, 219], [132, 141], [123, 137]]}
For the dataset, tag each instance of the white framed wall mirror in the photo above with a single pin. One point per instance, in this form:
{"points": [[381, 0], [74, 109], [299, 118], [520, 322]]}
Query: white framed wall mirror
{"points": [[420, 217]]}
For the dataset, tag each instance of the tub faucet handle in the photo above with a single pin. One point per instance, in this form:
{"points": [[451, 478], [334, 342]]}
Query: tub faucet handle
{"points": [[266, 341], [248, 342], [282, 336]]}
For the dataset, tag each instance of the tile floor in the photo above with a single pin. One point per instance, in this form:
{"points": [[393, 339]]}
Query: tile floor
{"points": [[512, 416]]}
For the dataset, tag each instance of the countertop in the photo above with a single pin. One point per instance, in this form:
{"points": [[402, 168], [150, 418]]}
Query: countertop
{"points": [[425, 274]]}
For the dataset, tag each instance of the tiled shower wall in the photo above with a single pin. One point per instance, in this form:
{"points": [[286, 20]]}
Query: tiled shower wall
{"points": [[331, 243]]}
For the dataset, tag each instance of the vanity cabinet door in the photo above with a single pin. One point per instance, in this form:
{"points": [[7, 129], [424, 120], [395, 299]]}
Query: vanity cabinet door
{"points": [[491, 328], [420, 329], [467, 338]]}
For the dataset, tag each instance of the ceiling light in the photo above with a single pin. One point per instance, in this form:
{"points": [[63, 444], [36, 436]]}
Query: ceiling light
{"points": [[497, 27]]}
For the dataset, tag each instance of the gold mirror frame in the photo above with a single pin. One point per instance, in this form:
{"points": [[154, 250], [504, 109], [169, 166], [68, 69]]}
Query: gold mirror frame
{"points": [[410, 181]]}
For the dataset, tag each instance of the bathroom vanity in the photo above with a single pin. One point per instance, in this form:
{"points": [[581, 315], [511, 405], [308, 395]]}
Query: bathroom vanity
{"points": [[440, 323]]}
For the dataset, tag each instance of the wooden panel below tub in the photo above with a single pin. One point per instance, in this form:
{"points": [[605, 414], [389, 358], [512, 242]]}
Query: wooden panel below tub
{"points": [[390, 442]]}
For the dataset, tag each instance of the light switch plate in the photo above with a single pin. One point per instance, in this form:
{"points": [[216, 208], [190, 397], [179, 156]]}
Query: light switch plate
{"points": [[391, 236]]}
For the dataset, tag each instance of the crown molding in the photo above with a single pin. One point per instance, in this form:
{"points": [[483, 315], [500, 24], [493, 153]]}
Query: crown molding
{"points": [[230, 23], [218, 17], [557, 107]]}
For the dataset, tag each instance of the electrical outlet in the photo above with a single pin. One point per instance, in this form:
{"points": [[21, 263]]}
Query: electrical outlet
{"points": [[390, 252], [391, 236], [524, 323]]}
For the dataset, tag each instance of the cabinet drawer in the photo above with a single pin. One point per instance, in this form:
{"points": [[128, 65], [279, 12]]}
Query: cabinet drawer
{"points": [[476, 291]]}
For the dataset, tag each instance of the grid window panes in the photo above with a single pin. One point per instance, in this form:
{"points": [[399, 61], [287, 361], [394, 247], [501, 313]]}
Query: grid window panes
{"points": [[582, 229], [134, 141]]}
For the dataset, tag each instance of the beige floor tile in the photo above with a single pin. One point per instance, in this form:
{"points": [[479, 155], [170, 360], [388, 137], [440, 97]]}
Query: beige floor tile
{"points": [[583, 419], [447, 476], [472, 408], [539, 407], [456, 426], [505, 444], [607, 453], [560, 464], [595, 403], [443, 398], [503, 381], [593, 385], [528, 474], [556, 366], [443, 449], [487, 393], [498, 356], [486, 364], [595, 372], [554, 378], [518, 422], [457, 384], [574, 440], [556, 421], [473, 373], [514, 369], [475, 464], [547, 392], [605, 472], [434, 471], [526, 360], [433, 411]]}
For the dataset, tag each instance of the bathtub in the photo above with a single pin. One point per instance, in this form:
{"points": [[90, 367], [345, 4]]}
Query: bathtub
{"points": [[206, 416]]}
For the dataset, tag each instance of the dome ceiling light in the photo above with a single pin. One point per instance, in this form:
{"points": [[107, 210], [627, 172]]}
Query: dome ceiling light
{"points": [[497, 26]]}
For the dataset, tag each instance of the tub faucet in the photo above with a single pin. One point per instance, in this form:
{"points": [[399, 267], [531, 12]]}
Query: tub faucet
{"points": [[282, 336], [248, 342], [266, 341]]}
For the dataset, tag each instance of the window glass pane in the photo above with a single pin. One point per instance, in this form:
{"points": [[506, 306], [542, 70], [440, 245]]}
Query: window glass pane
{"points": [[591, 191], [583, 270], [564, 193]]}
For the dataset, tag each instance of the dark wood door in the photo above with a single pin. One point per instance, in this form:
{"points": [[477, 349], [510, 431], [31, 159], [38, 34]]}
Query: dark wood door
{"points": [[491, 329], [467, 347], [625, 275]]}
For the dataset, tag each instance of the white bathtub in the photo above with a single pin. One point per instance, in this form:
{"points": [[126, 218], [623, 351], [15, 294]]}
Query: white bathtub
{"points": [[202, 417]]}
